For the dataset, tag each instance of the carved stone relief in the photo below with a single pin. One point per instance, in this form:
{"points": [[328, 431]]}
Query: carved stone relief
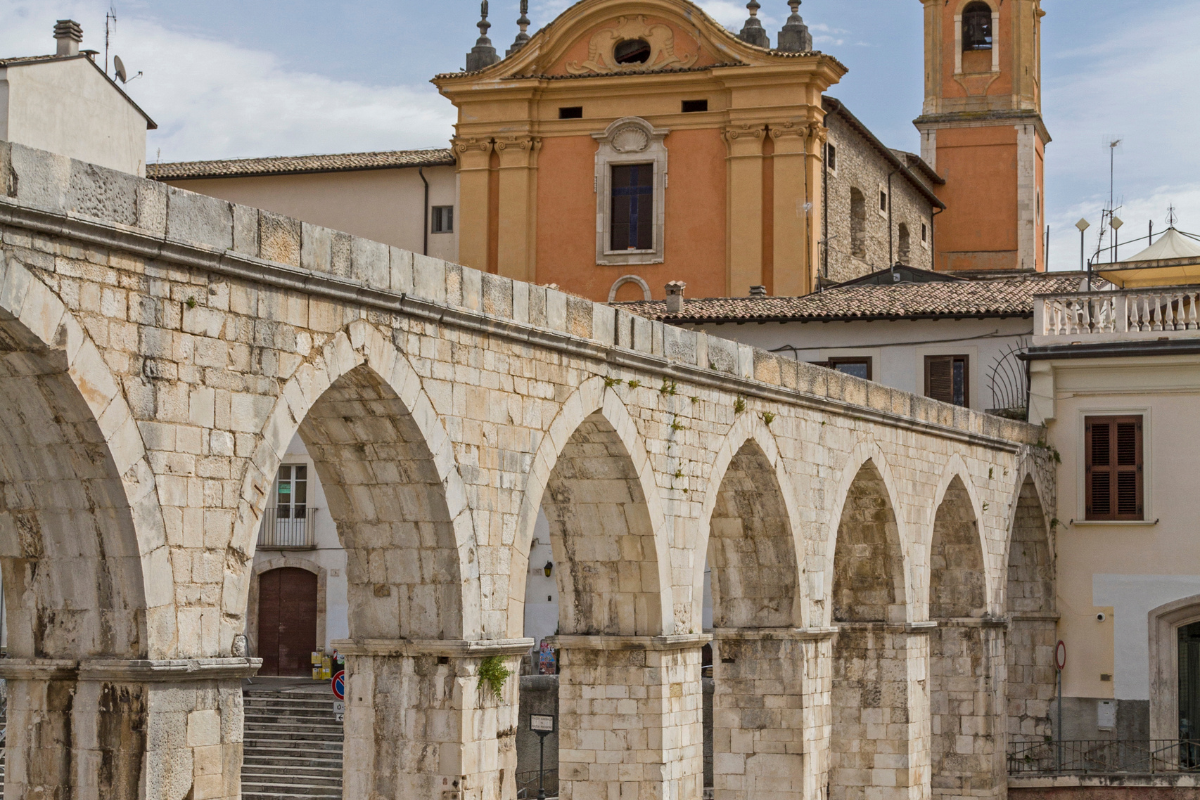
{"points": [[661, 39]]}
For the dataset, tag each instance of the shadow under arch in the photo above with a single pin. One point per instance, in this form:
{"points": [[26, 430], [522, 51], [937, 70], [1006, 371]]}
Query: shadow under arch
{"points": [[594, 419], [1030, 606], [390, 477], [750, 492], [957, 506]]}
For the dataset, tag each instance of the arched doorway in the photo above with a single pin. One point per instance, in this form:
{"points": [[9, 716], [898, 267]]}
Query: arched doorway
{"points": [[287, 621]]}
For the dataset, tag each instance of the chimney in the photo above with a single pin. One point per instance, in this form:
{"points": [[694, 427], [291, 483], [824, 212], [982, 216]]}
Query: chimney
{"points": [[68, 34], [758, 291], [675, 297]]}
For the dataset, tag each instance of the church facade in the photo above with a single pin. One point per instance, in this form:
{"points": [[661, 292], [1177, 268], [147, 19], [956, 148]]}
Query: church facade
{"points": [[632, 143]]}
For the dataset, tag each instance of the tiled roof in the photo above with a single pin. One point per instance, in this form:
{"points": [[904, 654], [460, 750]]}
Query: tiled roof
{"points": [[1010, 296], [299, 165]]}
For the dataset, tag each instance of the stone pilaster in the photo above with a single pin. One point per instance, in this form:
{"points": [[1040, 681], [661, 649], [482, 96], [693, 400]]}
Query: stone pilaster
{"points": [[745, 158], [770, 713], [421, 722], [125, 730], [630, 717]]}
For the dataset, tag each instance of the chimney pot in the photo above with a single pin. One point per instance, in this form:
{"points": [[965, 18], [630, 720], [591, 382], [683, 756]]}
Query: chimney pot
{"points": [[758, 291], [675, 297], [68, 33]]}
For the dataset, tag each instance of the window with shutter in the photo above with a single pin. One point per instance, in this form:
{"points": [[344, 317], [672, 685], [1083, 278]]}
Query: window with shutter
{"points": [[947, 379], [1113, 465]]}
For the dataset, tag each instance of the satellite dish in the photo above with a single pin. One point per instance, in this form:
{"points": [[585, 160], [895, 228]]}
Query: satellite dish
{"points": [[120, 69]]}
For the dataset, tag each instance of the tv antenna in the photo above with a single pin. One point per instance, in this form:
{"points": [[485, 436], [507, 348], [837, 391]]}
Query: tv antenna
{"points": [[1172, 217], [110, 27]]}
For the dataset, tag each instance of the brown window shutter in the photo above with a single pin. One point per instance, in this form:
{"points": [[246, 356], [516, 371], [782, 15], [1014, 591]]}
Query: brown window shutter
{"points": [[939, 378], [1113, 464]]}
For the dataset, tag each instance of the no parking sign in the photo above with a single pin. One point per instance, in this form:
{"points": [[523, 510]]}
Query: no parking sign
{"points": [[338, 684]]}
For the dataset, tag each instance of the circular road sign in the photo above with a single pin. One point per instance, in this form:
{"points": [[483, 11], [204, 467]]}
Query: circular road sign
{"points": [[1060, 655], [338, 684]]}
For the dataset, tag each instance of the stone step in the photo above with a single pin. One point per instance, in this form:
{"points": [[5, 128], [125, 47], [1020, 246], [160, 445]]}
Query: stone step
{"points": [[278, 790], [287, 777], [316, 726], [298, 766], [292, 747], [323, 750], [276, 738]]}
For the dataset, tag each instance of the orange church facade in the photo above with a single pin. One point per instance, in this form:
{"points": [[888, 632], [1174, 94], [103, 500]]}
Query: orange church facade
{"points": [[727, 138]]}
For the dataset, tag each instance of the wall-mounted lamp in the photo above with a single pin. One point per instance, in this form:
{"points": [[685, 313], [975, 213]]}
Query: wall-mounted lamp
{"points": [[549, 569]]}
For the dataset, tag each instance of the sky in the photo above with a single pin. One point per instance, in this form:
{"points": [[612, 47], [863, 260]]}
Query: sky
{"points": [[242, 78]]}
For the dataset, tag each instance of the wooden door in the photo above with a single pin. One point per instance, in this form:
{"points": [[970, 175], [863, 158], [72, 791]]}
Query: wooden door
{"points": [[287, 621]]}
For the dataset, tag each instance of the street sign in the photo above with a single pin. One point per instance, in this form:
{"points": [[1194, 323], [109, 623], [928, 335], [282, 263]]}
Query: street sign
{"points": [[539, 723], [1060, 655], [339, 707], [338, 684]]}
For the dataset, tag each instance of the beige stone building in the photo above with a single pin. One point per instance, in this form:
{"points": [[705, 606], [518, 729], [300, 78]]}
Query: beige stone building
{"points": [[65, 103]]}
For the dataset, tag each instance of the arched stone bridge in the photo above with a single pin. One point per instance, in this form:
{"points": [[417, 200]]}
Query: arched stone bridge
{"points": [[882, 564]]}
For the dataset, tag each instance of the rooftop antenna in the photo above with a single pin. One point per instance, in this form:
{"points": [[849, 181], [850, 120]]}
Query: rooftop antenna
{"points": [[110, 27], [1172, 217], [121, 73]]}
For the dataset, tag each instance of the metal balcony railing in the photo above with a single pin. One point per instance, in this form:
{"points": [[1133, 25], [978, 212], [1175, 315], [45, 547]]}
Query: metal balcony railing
{"points": [[1170, 311], [1104, 757], [280, 530]]}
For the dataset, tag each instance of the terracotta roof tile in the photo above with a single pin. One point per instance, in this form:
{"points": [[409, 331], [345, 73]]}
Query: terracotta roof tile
{"points": [[988, 297], [298, 165]]}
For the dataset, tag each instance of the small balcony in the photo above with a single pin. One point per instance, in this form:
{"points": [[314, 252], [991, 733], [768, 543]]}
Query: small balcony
{"points": [[1169, 312], [285, 528]]}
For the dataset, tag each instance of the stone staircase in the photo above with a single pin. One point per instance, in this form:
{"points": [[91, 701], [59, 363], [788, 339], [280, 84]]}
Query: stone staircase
{"points": [[293, 745]]}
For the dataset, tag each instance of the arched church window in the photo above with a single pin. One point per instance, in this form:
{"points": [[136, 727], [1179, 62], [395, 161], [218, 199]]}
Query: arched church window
{"points": [[977, 27], [858, 224]]}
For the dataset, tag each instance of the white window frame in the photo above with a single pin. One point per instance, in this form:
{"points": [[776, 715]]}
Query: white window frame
{"points": [[630, 140]]}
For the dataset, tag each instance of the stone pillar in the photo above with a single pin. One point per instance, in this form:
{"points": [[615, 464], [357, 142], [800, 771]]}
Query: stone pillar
{"points": [[1030, 676], [518, 206], [879, 746], [770, 713], [967, 718], [745, 160], [630, 717], [423, 722], [125, 730]]}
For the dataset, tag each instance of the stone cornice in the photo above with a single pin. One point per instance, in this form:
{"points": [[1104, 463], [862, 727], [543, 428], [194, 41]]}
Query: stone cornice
{"points": [[453, 648], [130, 671], [257, 270], [614, 643], [767, 634]]}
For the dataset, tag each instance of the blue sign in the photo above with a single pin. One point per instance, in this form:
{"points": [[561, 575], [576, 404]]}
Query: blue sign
{"points": [[339, 684]]}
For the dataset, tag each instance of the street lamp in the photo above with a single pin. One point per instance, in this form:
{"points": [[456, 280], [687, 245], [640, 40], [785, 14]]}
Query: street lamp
{"points": [[1083, 224], [1116, 226]]}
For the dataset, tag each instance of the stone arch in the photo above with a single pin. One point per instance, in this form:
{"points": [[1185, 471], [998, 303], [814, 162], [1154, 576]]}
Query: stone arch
{"points": [[391, 480], [285, 560], [957, 506], [87, 569], [749, 455], [867, 481], [965, 650], [598, 412], [635, 279], [1029, 603]]}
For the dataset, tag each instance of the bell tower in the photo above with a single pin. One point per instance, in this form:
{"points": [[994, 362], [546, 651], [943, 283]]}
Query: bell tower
{"points": [[981, 129]]}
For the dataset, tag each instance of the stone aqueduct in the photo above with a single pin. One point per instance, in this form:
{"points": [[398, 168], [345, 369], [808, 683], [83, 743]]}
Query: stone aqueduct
{"points": [[882, 564]]}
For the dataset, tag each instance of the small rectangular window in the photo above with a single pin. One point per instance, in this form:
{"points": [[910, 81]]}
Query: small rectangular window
{"points": [[442, 219], [858, 367], [693, 106], [633, 207], [291, 492], [571, 112], [831, 157], [1113, 468], [883, 201], [924, 232], [947, 379]]}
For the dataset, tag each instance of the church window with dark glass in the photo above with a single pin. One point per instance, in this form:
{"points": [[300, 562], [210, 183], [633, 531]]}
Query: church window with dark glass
{"points": [[632, 51], [977, 27], [633, 207]]}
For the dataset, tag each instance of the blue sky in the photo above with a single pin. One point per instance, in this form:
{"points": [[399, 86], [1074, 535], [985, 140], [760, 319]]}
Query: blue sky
{"points": [[226, 78]]}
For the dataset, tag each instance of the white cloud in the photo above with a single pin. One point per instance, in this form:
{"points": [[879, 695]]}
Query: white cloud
{"points": [[213, 99]]}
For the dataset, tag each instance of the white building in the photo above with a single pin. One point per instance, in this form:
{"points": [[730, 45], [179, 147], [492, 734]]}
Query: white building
{"points": [[65, 103]]}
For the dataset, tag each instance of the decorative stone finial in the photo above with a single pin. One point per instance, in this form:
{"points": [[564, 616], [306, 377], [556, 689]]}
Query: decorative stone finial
{"points": [[795, 38], [753, 32], [523, 36], [482, 55], [239, 649]]}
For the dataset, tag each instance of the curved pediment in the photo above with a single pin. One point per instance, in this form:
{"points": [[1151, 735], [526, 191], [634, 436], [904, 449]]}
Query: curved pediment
{"points": [[618, 37]]}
